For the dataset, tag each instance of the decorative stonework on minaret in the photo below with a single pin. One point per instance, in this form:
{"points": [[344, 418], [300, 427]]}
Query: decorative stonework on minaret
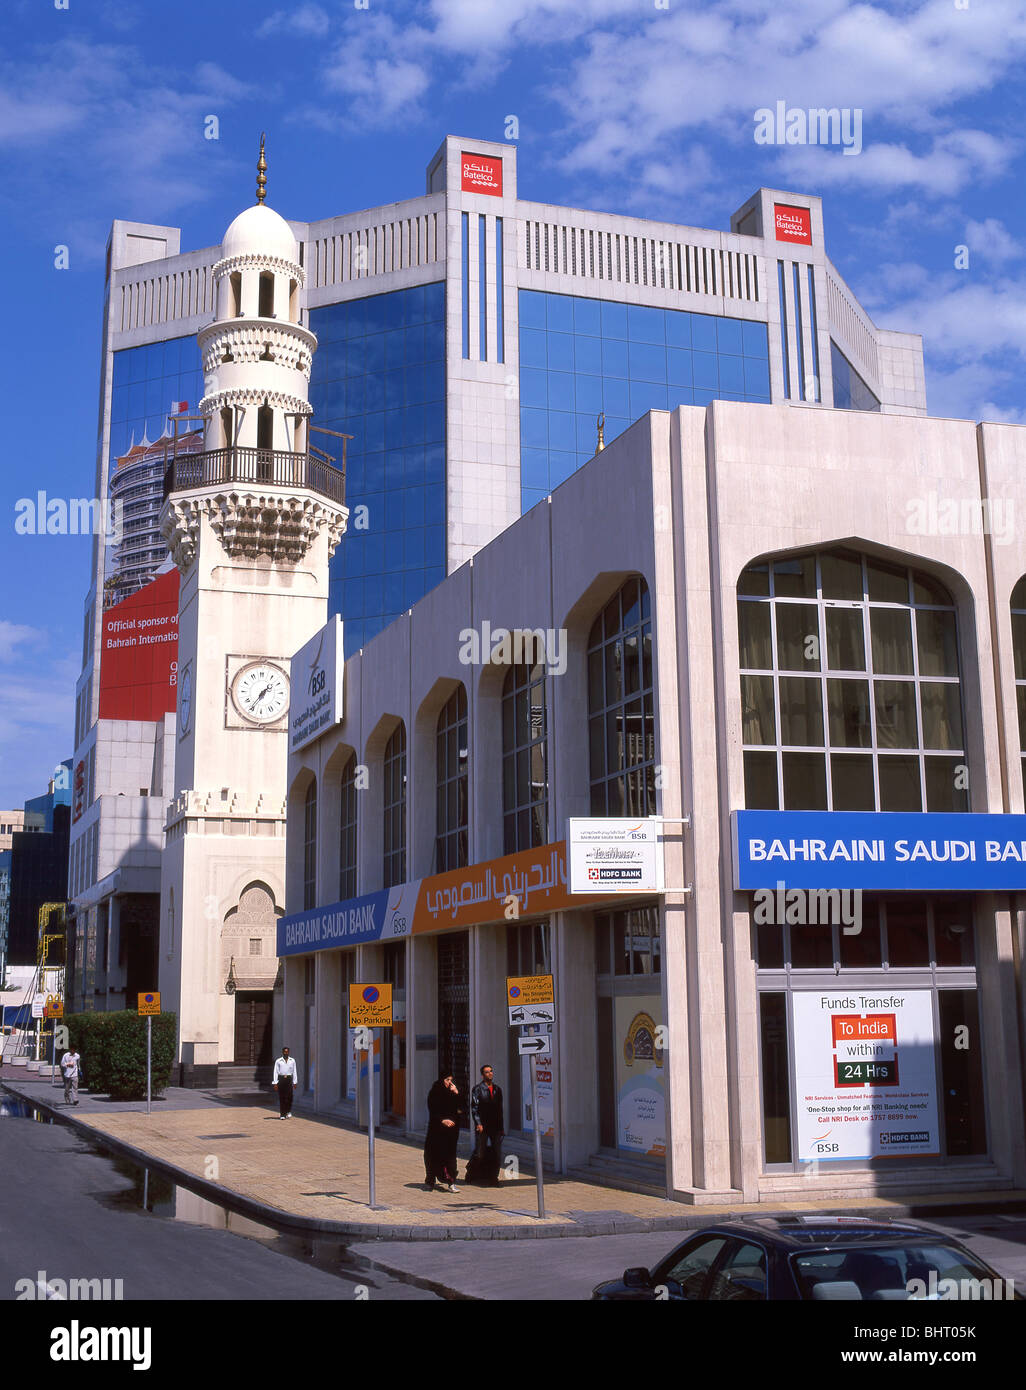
{"points": [[256, 357]]}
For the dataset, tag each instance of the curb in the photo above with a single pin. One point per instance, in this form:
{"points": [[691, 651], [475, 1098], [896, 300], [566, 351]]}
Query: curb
{"points": [[690, 1218]]}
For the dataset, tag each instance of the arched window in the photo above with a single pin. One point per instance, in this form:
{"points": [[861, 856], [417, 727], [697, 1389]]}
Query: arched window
{"points": [[525, 778], [347, 833], [395, 807], [310, 847], [850, 688], [265, 308], [620, 705], [1018, 606], [451, 783]]}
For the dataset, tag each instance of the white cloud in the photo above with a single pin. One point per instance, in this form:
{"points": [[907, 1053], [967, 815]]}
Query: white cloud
{"points": [[953, 161], [992, 242], [36, 714], [306, 21], [13, 635]]}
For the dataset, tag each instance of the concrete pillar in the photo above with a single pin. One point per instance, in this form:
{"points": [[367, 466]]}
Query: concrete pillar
{"points": [[329, 1032], [576, 1060], [280, 305], [488, 1017], [422, 1026], [250, 292]]}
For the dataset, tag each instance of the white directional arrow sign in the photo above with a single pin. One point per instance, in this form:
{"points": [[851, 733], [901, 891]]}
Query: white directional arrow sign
{"points": [[534, 1042]]}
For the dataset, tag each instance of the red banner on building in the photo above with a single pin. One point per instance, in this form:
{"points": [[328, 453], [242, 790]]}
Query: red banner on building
{"points": [[481, 173], [139, 653], [792, 224]]}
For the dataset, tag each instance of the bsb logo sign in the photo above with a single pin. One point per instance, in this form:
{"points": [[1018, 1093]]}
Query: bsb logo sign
{"points": [[481, 174], [792, 224]]}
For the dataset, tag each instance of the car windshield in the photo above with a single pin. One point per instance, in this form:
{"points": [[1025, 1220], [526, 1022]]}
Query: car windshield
{"points": [[894, 1272]]}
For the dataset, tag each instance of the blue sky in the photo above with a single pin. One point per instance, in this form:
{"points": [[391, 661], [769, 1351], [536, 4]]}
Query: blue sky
{"points": [[640, 106]]}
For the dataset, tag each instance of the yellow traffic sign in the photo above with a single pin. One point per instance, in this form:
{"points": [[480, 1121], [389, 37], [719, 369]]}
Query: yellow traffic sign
{"points": [[149, 1004], [370, 1006], [54, 1007], [529, 989]]}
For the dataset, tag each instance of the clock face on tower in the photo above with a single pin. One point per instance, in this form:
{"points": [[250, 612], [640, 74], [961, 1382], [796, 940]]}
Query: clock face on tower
{"points": [[260, 692], [185, 701]]}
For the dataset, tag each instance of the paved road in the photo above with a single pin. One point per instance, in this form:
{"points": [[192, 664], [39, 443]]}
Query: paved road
{"points": [[67, 1213], [567, 1270]]}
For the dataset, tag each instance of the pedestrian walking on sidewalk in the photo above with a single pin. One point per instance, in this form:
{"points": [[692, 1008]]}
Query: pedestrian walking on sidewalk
{"points": [[489, 1129], [286, 1079], [71, 1069], [443, 1133]]}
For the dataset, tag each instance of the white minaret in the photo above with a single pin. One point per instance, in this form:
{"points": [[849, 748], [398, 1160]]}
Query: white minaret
{"points": [[251, 523]]}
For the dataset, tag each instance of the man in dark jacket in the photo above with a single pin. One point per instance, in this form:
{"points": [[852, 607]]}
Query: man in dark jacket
{"points": [[489, 1126]]}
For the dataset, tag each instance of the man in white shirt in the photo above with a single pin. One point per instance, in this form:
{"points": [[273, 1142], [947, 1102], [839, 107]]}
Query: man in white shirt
{"points": [[285, 1078], [70, 1064]]}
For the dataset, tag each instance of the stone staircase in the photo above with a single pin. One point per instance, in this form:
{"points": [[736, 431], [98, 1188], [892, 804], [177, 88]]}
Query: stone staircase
{"points": [[240, 1078], [624, 1173]]}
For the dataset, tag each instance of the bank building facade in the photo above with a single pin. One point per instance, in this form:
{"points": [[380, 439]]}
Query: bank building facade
{"points": [[783, 622]]}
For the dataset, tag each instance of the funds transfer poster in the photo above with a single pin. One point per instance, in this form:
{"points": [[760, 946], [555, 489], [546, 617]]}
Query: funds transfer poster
{"points": [[865, 1074]]}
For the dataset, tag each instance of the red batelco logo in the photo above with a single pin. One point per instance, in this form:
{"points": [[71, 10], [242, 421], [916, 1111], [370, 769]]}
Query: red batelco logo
{"points": [[481, 173], [792, 224]]}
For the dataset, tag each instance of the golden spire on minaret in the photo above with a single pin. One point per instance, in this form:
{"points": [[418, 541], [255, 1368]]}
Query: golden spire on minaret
{"points": [[601, 426], [261, 172]]}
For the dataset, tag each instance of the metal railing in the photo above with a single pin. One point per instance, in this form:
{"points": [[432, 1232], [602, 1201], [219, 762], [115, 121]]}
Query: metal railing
{"points": [[260, 467]]}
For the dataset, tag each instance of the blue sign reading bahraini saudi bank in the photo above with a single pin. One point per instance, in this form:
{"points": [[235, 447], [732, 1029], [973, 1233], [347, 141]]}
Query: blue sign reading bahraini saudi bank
{"points": [[893, 850]]}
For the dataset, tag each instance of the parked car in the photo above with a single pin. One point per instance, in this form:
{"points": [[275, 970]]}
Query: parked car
{"points": [[812, 1257]]}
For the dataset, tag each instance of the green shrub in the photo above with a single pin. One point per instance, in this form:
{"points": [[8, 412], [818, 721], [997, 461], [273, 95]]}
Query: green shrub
{"points": [[113, 1048]]}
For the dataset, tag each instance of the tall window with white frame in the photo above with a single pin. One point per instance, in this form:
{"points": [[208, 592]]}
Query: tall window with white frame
{"points": [[451, 750], [621, 724], [525, 778], [850, 691], [394, 769], [347, 832], [310, 847]]}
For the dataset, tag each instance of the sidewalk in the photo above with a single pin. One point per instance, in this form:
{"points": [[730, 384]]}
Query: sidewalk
{"points": [[310, 1173]]}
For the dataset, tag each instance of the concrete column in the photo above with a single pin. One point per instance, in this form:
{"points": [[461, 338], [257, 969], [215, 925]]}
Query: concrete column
{"points": [[280, 304], [422, 1013], [488, 1017], [998, 1013], [576, 1059], [292, 1033], [329, 1033], [250, 292]]}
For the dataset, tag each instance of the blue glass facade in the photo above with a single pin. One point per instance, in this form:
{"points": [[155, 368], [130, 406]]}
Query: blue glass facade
{"points": [[379, 375], [147, 380], [850, 391], [582, 356]]}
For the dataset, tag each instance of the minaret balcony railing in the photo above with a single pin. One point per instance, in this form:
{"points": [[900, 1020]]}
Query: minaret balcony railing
{"points": [[255, 468]]}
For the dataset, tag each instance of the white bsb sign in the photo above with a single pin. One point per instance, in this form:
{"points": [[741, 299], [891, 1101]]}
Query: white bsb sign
{"points": [[318, 671], [614, 855]]}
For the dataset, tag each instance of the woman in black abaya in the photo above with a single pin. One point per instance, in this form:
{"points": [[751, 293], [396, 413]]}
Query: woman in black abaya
{"points": [[443, 1134]]}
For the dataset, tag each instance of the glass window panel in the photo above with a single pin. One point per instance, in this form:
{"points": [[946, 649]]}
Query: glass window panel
{"points": [[757, 709], [846, 643], [942, 715], [1019, 644], [953, 932], [946, 784], [754, 581], [812, 948], [891, 630], [887, 583], [776, 1077], [797, 636], [851, 780], [1020, 697], [848, 712], [804, 781], [899, 783], [926, 589], [769, 946], [864, 949], [801, 711], [754, 636], [613, 652], [841, 574], [761, 782], [895, 714], [965, 1129], [907, 938], [614, 358], [795, 577], [938, 647]]}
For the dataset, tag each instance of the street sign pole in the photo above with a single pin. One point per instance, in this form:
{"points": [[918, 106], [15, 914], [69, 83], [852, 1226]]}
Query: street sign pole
{"points": [[536, 1125], [149, 1060], [370, 1118]]}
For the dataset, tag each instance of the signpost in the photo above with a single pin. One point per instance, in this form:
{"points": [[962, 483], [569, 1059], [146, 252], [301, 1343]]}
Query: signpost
{"points": [[370, 1007], [532, 999], [54, 1009], [149, 1004]]}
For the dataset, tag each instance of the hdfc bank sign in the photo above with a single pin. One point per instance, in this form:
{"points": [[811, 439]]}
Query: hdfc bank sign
{"points": [[792, 224], [481, 173]]}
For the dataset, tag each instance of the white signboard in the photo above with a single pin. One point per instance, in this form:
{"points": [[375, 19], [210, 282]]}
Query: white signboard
{"points": [[865, 1074], [38, 1005], [615, 855], [318, 670]]}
